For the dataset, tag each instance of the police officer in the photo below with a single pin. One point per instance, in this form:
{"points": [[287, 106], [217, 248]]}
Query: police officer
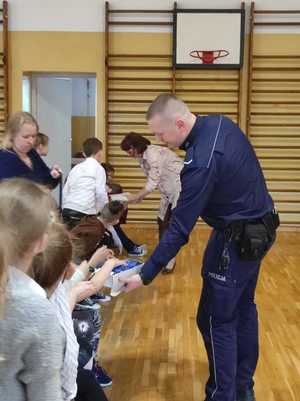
{"points": [[223, 183]]}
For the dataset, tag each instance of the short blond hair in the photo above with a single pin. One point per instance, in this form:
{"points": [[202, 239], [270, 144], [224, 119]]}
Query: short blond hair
{"points": [[168, 105], [14, 125], [25, 215]]}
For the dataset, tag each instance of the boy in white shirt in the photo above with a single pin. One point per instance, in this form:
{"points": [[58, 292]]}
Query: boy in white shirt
{"points": [[85, 194], [85, 190]]}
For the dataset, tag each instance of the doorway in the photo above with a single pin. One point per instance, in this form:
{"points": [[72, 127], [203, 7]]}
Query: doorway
{"points": [[65, 108]]}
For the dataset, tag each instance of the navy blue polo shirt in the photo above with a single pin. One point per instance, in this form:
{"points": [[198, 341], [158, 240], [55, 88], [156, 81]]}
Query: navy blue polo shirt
{"points": [[221, 179]]}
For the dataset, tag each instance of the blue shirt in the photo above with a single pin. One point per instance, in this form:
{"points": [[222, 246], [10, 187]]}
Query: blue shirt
{"points": [[221, 179], [12, 166]]}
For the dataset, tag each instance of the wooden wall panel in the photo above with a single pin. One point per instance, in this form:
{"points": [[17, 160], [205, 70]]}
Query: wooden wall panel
{"points": [[134, 78], [274, 112], [136, 74]]}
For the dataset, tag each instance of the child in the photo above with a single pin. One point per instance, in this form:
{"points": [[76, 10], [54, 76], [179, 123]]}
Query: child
{"points": [[93, 232], [42, 144], [31, 340], [84, 193], [113, 187], [52, 269]]}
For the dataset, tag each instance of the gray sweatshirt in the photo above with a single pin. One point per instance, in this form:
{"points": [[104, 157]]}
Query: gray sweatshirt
{"points": [[31, 344]]}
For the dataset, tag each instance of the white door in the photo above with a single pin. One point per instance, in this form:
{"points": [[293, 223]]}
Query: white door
{"points": [[52, 107]]}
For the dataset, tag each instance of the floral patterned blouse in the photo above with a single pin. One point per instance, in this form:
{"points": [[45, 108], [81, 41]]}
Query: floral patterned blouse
{"points": [[162, 168]]}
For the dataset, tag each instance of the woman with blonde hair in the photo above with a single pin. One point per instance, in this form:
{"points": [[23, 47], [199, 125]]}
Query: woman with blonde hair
{"points": [[18, 158], [31, 340]]}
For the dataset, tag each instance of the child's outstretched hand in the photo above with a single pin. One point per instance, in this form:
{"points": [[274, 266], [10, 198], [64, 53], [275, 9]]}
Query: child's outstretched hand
{"points": [[103, 273], [100, 256], [80, 291], [112, 262]]}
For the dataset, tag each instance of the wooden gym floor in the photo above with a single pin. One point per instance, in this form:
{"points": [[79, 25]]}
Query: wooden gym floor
{"points": [[152, 348]]}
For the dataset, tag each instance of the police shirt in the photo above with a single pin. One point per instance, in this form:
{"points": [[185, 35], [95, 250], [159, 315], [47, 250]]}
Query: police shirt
{"points": [[221, 179]]}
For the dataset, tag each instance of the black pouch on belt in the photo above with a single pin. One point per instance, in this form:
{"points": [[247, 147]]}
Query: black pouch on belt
{"points": [[257, 237]]}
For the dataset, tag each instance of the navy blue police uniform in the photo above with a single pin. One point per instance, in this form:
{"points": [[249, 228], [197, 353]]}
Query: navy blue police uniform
{"points": [[223, 183]]}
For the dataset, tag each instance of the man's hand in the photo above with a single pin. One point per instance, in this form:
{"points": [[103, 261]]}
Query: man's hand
{"points": [[131, 283]]}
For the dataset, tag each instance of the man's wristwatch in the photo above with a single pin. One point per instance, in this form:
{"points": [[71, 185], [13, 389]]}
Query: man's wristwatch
{"points": [[145, 281]]}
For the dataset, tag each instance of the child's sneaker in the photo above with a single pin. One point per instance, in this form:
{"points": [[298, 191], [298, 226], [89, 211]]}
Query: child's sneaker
{"points": [[101, 298], [101, 376], [88, 304], [138, 250]]}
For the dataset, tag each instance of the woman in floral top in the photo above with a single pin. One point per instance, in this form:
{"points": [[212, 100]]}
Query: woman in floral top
{"points": [[162, 168]]}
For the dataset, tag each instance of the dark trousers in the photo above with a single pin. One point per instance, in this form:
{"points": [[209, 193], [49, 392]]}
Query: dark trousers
{"points": [[71, 218], [227, 320], [126, 242], [164, 224], [88, 388]]}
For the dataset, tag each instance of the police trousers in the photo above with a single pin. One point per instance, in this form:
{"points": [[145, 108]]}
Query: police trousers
{"points": [[227, 319]]}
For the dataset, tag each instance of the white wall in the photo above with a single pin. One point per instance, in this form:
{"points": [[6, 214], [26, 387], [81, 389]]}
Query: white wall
{"points": [[56, 15], [88, 15]]}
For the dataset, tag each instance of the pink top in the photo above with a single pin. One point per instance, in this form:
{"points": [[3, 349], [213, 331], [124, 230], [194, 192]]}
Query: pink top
{"points": [[162, 168]]}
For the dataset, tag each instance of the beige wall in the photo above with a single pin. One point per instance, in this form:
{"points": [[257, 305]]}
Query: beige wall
{"points": [[70, 52], [83, 52]]}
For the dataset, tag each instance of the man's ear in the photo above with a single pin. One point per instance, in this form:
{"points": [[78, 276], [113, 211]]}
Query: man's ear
{"points": [[179, 123], [41, 244]]}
